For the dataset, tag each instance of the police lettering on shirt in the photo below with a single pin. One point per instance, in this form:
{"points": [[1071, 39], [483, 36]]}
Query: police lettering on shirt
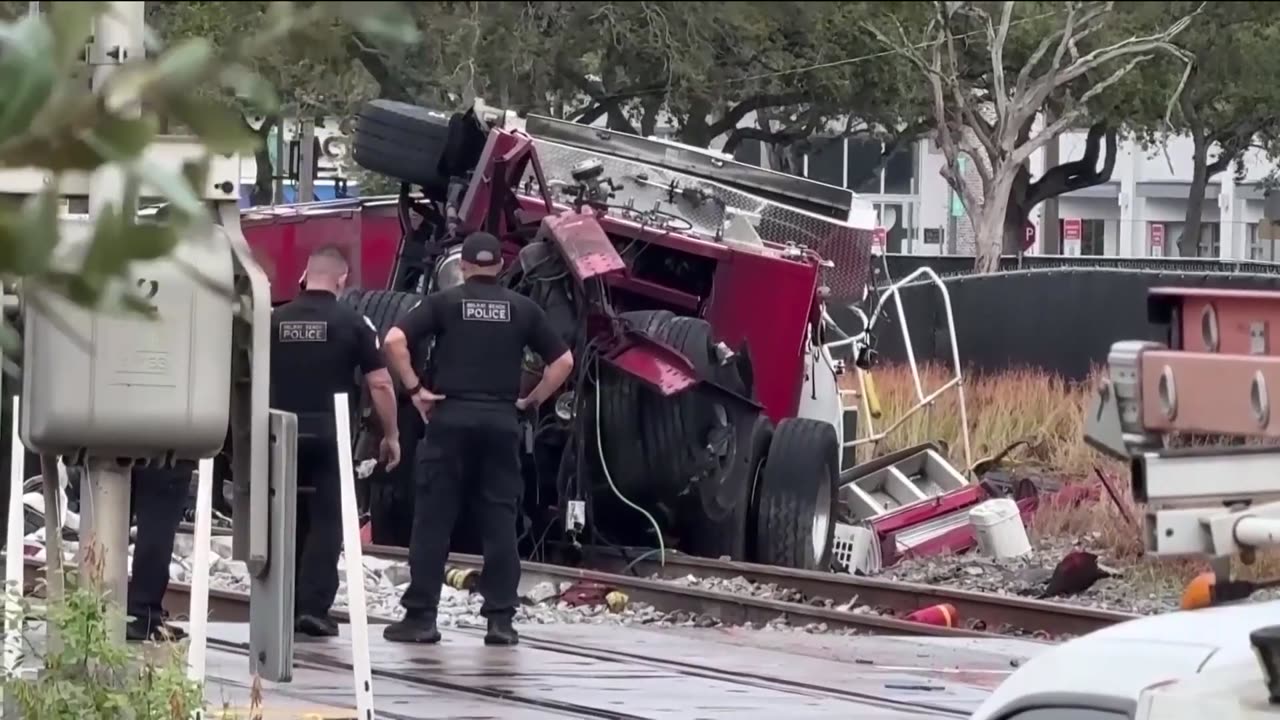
{"points": [[486, 310], [292, 331]]}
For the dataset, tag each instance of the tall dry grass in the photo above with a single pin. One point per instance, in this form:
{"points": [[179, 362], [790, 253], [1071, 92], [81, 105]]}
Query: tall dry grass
{"points": [[1047, 414], [1042, 410]]}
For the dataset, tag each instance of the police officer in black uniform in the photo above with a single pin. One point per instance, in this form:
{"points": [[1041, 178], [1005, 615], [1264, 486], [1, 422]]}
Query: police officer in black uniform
{"points": [[481, 330], [317, 344], [159, 501]]}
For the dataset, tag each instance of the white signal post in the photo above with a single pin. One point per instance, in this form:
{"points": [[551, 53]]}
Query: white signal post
{"points": [[357, 610]]}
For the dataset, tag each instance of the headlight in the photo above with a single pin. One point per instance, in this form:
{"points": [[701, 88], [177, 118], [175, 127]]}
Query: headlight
{"points": [[564, 405], [449, 272]]}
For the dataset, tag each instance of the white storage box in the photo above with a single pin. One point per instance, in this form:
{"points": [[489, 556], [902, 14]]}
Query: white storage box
{"points": [[856, 548], [998, 529]]}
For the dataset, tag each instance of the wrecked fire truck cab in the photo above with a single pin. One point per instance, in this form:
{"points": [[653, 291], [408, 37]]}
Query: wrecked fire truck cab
{"points": [[708, 413], [703, 414]]}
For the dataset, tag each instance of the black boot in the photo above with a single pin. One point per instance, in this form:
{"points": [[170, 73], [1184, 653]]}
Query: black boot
{"points": [[316, 625], [416, 627], [154, 629], [501, 632]]}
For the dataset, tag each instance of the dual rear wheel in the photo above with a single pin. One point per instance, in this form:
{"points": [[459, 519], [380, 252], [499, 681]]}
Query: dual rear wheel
{"points": [[750, 491]]}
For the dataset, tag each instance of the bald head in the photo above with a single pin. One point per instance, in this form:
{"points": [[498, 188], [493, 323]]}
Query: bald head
{"points": [[327, 270]]}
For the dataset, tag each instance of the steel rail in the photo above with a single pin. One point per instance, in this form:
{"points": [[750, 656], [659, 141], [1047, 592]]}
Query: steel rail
{"points": [[646, 579], [305, 656], [227, 606], [978, 611]]}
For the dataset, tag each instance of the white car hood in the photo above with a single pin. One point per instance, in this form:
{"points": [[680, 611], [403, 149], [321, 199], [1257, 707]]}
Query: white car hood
{"points": [[1122, 660]]}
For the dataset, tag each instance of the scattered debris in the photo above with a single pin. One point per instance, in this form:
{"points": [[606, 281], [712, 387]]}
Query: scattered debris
{"points": [[1076, 572]]}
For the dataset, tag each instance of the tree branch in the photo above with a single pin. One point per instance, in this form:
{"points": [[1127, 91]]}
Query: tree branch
{"points": [[609, 102], [735, 115], [1071, 116], [1078, 174], [591, 114], [364, 52]]}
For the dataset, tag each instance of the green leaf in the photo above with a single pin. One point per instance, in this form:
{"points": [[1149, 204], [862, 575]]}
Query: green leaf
{"points": [[252, 89], [196, 172], [220, 128], [171, 186], [108, 250], [150, 241], [127, 137], [183, 66], [26, 76], [382, 20], [72, 24], [39, 232]]}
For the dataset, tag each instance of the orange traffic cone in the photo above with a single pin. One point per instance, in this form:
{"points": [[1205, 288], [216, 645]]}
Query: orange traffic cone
{"points": [[943, 615], [1199, 592]]}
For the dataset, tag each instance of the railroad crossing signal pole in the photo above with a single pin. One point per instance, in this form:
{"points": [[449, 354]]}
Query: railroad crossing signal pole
{"points": [[117, 39], [108, 392]]}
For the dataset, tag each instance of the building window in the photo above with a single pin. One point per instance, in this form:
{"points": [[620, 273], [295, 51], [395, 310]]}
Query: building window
{"points": [[1264, 237], [1093, 236], [899, 222], [862, 157], [1209, 245], [749, 152], [900, 171], [855, 163], [825, 163], [1256, 250]]}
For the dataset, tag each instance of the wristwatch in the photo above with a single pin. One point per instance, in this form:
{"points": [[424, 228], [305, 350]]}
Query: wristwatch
{"points": [[414, 390]]}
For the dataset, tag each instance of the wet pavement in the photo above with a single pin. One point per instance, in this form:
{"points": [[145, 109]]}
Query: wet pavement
{"points": [[634, 672]]}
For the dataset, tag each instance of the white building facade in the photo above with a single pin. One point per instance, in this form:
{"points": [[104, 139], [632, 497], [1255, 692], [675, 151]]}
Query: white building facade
{"points": [[1139, 212]]}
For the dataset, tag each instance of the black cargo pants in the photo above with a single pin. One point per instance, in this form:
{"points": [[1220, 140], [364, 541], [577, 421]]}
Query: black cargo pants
{"points": [[159, 498], [470, 459], [319, 525]]}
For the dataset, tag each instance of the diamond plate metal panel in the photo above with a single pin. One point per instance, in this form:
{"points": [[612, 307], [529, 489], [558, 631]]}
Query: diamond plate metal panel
{"points": [[706, 205]]}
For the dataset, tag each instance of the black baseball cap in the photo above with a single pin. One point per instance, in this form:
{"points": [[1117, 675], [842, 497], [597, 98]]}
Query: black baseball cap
{"points": [[482, 249]]}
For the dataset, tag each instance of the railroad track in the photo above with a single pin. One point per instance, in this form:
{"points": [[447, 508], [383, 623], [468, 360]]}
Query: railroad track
{"points": [[980, 614], [646, 579], [234, 607]]}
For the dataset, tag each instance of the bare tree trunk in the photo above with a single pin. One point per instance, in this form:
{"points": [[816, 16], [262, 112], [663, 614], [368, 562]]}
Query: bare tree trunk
{"points": [[991, 232], [1050, 243], [1189, 245]]}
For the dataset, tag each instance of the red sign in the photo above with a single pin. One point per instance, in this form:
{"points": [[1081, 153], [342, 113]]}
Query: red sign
{"points": [[1072, 233], [1028, 236], [1072, 230], [1157, 239], [878, 237]]}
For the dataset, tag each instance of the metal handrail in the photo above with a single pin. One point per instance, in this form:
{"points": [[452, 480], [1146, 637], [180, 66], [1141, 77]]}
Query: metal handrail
{"points": [[923, 400]]}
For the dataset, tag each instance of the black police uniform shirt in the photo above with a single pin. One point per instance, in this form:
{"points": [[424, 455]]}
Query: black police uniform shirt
{"points": [[481, 330], [317, 345]]}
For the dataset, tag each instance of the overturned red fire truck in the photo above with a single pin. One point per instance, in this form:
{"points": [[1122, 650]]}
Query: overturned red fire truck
{"points": [[706, 413]]}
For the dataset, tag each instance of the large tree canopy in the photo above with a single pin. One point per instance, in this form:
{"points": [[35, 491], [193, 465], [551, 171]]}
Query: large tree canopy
{"points": [[995, 70], [1227, 104], [991, 81]]}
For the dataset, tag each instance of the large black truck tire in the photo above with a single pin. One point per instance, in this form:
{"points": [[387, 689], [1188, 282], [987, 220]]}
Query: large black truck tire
{"points": [[390, 495], [676, 430], [402, 141], [796, 496], [733, 536], [656, 446], [620, 419], [417, 145]]}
